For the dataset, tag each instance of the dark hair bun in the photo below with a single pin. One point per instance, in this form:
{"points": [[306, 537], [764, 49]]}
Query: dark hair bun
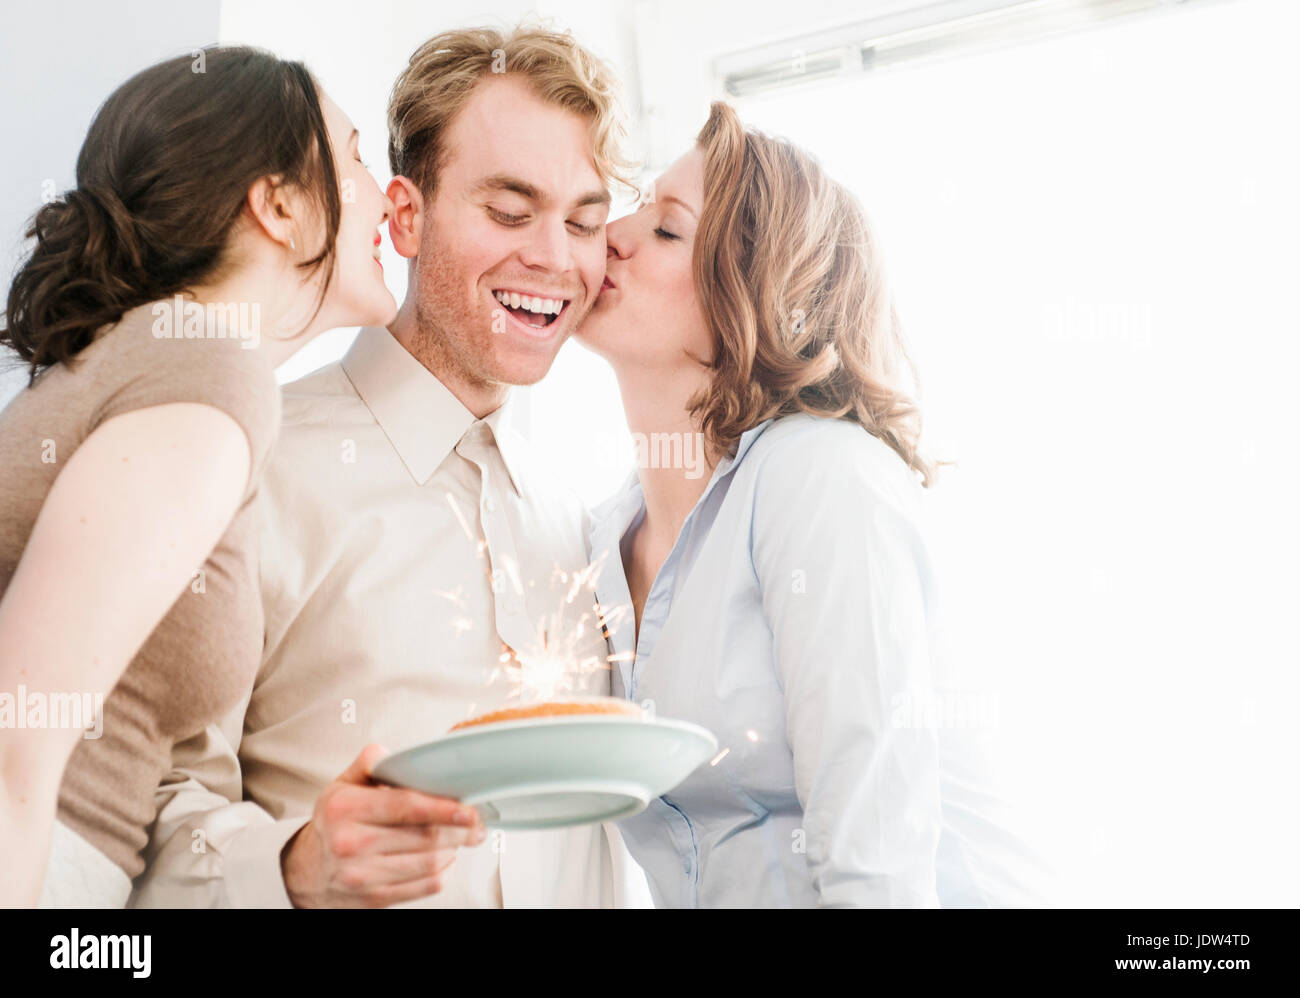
{"points": [[157, 199], [110, 238], [86, 270]]}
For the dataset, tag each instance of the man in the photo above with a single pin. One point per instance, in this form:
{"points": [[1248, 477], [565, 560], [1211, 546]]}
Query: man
{"points": [[412, 556]]}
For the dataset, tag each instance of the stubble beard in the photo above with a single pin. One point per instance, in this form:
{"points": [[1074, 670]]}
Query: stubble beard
{"points": [[436, 343], [440, 352]]}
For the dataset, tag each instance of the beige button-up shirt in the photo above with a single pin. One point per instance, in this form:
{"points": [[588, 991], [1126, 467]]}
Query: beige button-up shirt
{"points": [[412, 557]]}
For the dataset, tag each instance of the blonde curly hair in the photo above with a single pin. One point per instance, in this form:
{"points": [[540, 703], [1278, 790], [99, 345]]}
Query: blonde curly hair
{"points": [[792, 284], [443, 72]]}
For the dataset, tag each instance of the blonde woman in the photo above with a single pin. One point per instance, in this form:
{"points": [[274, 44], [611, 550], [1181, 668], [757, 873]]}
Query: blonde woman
{"points": [[783, 598]]}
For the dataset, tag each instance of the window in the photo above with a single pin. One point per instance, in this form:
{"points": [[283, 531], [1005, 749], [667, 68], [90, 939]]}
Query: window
{"points": [[1092, 239]]}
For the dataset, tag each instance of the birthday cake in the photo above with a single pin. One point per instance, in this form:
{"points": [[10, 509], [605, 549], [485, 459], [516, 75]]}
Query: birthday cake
{"points": [[556, 708]]}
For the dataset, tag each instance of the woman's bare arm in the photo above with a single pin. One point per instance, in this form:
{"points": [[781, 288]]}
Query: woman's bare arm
{"points": [[138, 508]]}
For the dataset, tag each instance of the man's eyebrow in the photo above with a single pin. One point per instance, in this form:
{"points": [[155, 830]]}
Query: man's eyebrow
{"points": [[505, 182], [669, 197], [515, 185], [595, 197]]}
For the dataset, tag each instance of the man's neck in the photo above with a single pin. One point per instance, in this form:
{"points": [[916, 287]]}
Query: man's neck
{"points": [[479, 397]]}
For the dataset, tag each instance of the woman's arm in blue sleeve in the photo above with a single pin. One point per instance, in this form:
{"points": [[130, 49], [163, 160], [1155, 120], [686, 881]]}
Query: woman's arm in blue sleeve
{"points": [[843, 573]]}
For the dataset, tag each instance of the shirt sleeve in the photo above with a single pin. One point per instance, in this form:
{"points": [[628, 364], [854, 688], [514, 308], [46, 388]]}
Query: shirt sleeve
{"points": [[147, 371], [843, 575], [209, 848]]}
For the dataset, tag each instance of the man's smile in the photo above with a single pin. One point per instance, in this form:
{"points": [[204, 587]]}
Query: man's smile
{"points": [[535, 312]]}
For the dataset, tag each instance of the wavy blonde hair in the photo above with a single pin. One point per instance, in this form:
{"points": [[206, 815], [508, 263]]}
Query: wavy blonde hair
{"points": [[443, 72], [792, 284]]}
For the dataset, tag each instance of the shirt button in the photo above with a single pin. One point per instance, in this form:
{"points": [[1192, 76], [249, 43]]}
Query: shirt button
{"points": [[490, 505]]}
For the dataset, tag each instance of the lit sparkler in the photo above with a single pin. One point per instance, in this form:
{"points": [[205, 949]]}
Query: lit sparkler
{"points": [[564, 652]]}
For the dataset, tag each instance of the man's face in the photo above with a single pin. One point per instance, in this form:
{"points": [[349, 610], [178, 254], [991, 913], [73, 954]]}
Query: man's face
{"points": [[518, 213]]}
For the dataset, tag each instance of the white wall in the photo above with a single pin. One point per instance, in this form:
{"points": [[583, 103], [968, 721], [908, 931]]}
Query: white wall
{"points": [[59, 60]]}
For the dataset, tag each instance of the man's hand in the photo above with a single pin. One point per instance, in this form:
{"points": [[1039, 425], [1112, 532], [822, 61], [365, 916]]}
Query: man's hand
{"points": [[370, 846]]}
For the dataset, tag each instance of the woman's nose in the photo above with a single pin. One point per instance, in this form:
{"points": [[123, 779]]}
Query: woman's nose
{"points": [[617, 238]]}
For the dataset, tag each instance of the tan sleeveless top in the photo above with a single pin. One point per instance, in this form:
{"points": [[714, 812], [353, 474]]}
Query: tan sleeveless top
{"points": [[204, 654]]}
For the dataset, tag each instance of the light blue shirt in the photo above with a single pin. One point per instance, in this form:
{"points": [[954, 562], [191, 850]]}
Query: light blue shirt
{"points": [[794, 619]]}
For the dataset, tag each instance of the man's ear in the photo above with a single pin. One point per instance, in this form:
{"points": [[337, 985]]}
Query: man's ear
{"points": [[272, 210], [408, 216]]}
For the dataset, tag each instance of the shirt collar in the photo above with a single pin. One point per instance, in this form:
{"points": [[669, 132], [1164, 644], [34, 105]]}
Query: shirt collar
{"points": [[729, 464], [510, 443], [421, 417]]}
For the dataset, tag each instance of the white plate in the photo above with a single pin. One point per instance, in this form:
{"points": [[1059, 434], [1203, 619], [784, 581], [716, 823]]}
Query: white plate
{"points": [[547, 772]]}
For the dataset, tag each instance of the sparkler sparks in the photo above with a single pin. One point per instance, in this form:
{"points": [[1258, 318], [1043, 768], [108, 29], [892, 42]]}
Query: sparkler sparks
{"points": [[559, 661], [567, 650], [613, 616], [454, 596]]}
